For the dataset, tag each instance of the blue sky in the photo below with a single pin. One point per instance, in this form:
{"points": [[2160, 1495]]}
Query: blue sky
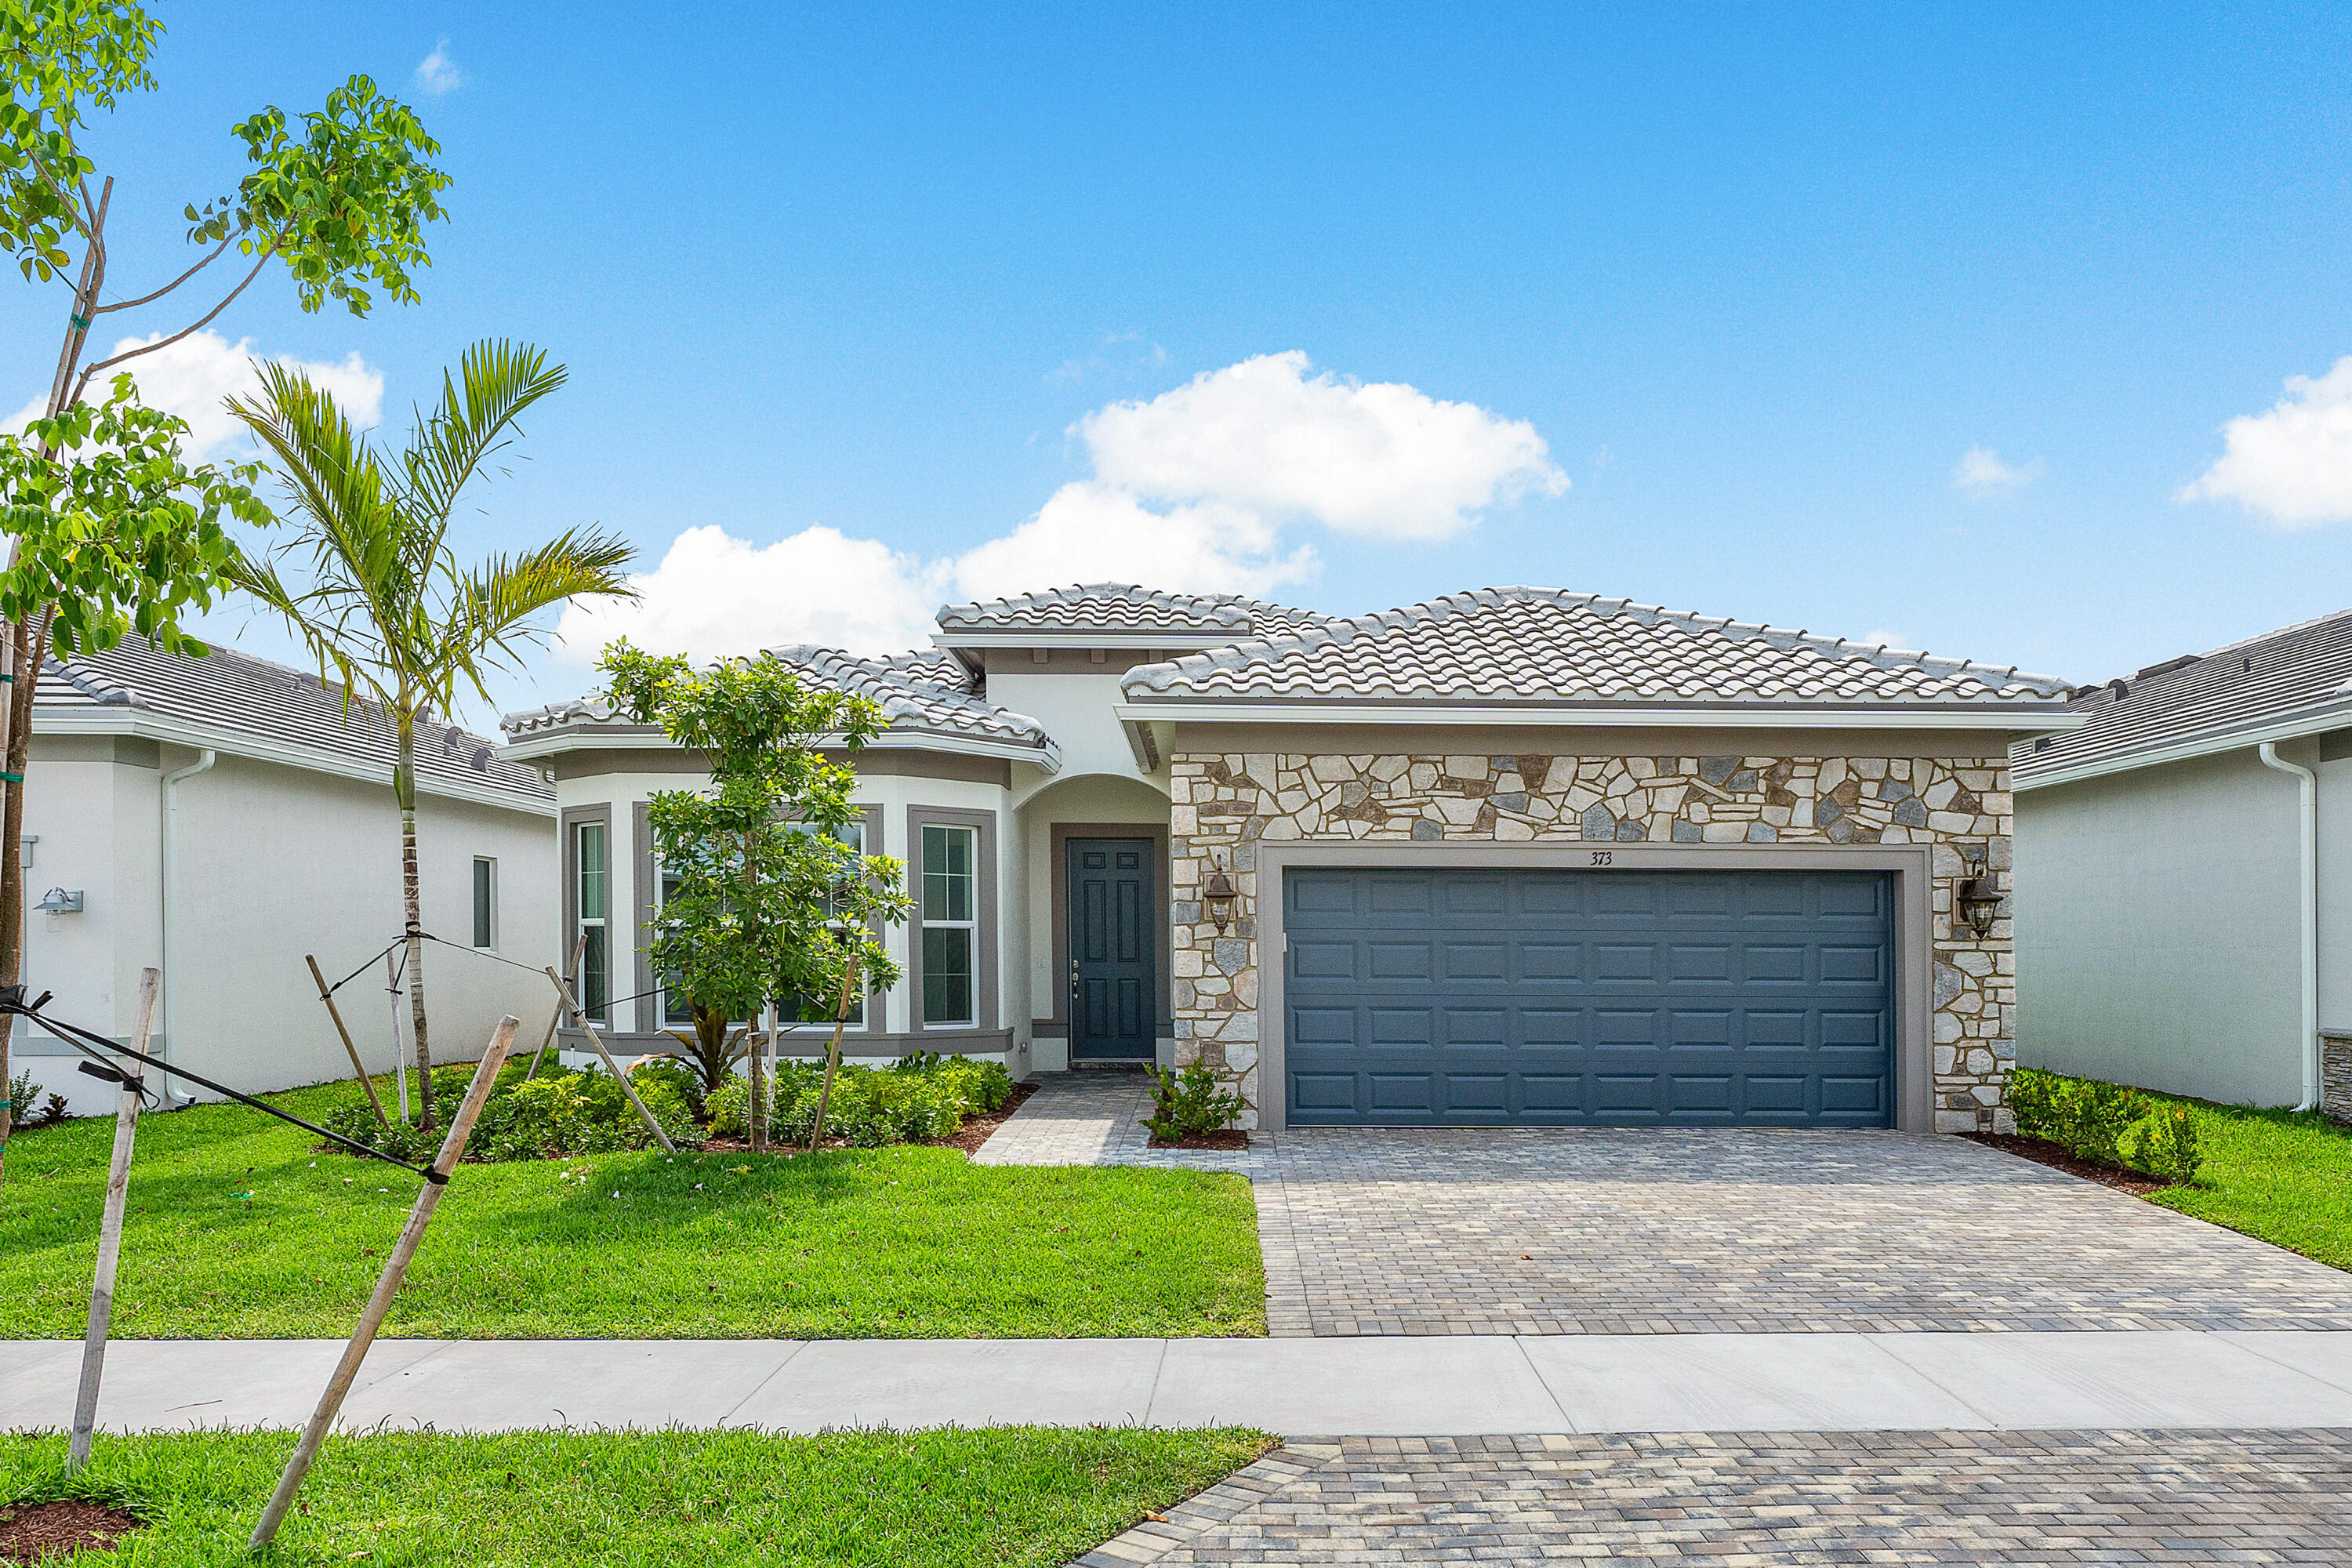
{"points": [[1758, 279]]}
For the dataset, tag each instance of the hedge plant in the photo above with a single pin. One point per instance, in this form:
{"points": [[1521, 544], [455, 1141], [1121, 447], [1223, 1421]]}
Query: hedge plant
{"points": [[2108, 1124]]}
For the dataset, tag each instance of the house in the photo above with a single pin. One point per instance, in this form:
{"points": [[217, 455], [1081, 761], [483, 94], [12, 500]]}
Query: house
{"points": [[220, 817], [2185, 872], [1516, 855]]}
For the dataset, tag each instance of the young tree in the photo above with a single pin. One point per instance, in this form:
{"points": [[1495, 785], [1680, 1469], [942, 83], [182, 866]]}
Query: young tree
{"points": [[339, 199], [766, 900], [383, 601]]}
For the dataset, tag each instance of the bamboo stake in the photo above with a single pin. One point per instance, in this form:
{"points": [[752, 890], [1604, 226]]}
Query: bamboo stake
{"points": [[399, 1062], [351, 1050], [395, 1268], [564, 991], [110, 1230], [555, 1019]]}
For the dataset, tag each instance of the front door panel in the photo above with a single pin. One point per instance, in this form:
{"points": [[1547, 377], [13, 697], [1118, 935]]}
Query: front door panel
{"points": [[1114, 926]]}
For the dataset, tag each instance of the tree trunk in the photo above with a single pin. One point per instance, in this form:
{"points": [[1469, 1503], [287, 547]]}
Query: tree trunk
{"points": [[28, 647], [833, 1052], [12, 886], [755, 1111], [403, 789], [26, 650]]}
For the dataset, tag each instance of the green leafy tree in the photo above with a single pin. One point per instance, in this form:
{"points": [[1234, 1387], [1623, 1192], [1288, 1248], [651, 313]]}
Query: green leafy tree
{"points": [[766, 900], [381, 598], [339, 198]]}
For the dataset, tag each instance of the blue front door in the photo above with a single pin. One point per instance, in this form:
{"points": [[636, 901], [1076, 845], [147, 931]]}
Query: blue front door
{"points": [[1114, 941]]}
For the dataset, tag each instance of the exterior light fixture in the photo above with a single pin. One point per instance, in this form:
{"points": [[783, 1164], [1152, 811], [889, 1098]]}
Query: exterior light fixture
{"points": [[60, 901], [1219, 896], [1978, 899]]}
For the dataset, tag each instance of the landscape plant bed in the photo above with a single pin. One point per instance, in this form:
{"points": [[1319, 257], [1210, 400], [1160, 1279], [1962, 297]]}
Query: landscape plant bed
{"points": [[237, 1229], [37, 1531], [2044, 1152], [967, 1137], [1225, 1138], [1001, 1497]]}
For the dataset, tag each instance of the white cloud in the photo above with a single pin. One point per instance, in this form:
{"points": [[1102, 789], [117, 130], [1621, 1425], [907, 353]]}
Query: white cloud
{"points": [[1382, 459], [1981, 471], [436, 73], [714, 595], [1090, 532], [193, 378], [1885, 638], [2291, 465], [1192, 491]]}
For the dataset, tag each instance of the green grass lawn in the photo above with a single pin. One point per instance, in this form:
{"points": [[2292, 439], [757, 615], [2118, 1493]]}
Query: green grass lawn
{"points": [[2274, 1174], [579, 1499], [239, 1227]]}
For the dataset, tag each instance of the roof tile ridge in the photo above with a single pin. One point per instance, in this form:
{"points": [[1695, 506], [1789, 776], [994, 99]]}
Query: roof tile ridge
{"points": [[90, 683]]}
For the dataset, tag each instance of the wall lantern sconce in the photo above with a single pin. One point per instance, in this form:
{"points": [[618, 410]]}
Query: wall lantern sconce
{"points": [[1978, 899], [58, 901], [1219, 896]]}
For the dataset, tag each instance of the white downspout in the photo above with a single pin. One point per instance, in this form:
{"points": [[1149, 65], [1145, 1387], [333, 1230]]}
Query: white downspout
{"points": [[2307, 830], [166, 898]]}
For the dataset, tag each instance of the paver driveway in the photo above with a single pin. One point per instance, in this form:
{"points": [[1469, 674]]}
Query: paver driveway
{"points": [[1451, 1231], [2008, 1498]]}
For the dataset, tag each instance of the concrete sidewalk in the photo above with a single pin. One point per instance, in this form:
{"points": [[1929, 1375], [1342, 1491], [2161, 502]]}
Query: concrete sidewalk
{"points": [[1462, 1385]]}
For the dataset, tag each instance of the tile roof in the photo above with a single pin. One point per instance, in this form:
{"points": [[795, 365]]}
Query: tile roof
{"points": [[1502, 646], [2303, 671], [1126, 608], [919, 693], [275, 702]]}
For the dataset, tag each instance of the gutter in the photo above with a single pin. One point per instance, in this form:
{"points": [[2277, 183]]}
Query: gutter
{"points": [[2033, 720], [168, 897], [2307, 832]]}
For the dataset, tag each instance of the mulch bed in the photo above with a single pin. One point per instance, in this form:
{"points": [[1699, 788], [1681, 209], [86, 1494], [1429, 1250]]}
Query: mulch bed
{"points": [[975, 1131], [1232, 1138], [2041, 1152], [43, 1529]]}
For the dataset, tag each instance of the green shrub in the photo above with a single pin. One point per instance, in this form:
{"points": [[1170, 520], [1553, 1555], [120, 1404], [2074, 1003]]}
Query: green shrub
{"points": [[1190, 1100], [21, 1095], [920, 1097], [2108, 1123], [560, 1112]]}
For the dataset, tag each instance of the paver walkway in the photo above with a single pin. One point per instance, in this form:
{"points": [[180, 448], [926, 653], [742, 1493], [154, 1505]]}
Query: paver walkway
{"points": [[2022, 1498], [1460, 1385], [1373, 1231]]}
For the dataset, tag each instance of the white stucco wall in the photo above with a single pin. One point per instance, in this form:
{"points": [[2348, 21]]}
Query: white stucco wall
{"points": [[2156, 928], [1076, 710], [2336, 894], [274, 862]]}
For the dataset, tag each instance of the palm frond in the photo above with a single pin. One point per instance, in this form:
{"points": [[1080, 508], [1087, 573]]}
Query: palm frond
{"points": [[495, 603], [473, 422]]}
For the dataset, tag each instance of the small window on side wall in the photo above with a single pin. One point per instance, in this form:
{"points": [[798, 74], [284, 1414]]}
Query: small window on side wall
{"points": [[486, 902], [950, 923]]}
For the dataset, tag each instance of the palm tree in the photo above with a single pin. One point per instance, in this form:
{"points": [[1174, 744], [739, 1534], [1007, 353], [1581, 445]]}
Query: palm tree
{"points": [[384, 603]]}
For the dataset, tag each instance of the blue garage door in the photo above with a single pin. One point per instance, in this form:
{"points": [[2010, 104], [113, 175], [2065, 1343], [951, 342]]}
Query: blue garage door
{"points": [[1471, 998]]}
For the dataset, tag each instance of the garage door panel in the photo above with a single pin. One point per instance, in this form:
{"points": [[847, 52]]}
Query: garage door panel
{"points": [[1703, 998]]}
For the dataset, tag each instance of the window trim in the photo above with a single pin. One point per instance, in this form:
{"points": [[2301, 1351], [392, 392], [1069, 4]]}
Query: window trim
{"points": [[985, 956], [570, 821], [486, 903]]}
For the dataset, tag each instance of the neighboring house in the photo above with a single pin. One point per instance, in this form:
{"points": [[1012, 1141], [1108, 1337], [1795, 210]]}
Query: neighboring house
{"points": [[1515, 856], [2185, 872], [220, 817]]}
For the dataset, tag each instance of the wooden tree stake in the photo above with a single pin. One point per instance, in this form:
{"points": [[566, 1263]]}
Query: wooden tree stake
{"points": [[110, 1230], [350, 1049], [555, 1019], [387, 1285], [581, 1018]]}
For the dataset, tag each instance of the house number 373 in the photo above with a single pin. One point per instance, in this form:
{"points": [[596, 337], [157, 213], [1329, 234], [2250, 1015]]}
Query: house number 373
{"points": [[1604, 857]]}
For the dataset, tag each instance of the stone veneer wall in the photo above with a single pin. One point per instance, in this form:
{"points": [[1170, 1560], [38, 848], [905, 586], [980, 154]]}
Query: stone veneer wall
{"points": [[1225, 805], [2335, 1074]]}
